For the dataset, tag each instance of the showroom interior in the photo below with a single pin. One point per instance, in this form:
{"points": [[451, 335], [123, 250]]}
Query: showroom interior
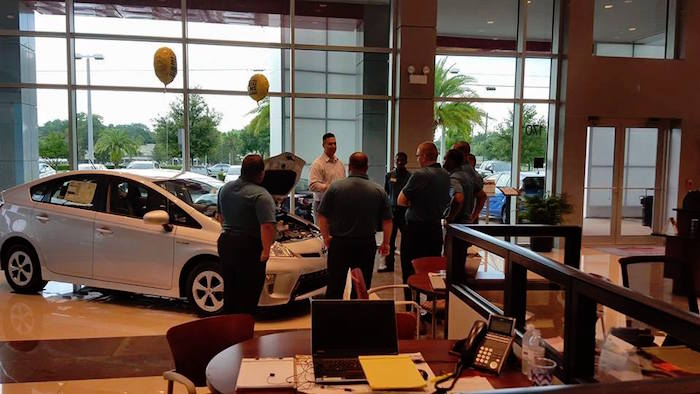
{"points": [[593, 100]]}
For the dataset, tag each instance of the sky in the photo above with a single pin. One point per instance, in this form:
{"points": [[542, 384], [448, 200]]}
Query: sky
{"points": [[215, 67]]}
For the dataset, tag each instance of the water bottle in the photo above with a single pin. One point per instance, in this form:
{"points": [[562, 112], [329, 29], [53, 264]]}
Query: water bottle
{"points": [[531, 348]]}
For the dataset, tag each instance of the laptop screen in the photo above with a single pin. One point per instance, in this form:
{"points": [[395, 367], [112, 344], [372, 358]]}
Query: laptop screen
{"points": [[343, 328]]}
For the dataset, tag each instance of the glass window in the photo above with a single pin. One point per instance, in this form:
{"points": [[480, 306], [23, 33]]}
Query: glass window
{"points": [[358, 125], [540, 18], [534, 137], [475, 24], [239, 20], [343, 22], [244, 126], [122, 63], [229, 68], [487, 77], [33, 60], [630, 28], [125, 17], [76, 191], [129, 198], [128, 126], [537, 78], [30, 15], [341, 72]]}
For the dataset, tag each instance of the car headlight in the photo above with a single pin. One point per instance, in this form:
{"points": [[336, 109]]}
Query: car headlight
{"points": [[279, 250]]}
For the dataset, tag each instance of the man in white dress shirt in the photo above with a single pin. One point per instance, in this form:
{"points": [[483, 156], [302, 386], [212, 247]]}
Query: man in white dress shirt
{"points": [[326, 169]]}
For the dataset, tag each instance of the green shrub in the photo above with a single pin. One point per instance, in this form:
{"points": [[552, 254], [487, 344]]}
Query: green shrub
{"points": [[545, 210]]}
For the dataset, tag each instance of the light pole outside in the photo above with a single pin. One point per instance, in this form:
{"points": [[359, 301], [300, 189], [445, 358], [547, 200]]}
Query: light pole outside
{"points": [[90, 138]]}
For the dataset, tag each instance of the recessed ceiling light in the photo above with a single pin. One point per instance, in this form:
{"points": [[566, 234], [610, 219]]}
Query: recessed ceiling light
{"points": [[529, 1], [10, 16], [490, 22], [628, 1], [632, 28], [608, 6]]}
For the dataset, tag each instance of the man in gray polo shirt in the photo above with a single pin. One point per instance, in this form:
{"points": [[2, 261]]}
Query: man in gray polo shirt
{"points": [[462, 204], [351, 211], [247, 215], [426, 195], [477, 183]]}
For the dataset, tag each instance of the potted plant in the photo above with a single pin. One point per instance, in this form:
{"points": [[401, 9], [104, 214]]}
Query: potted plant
{"points": [[544, 210]]}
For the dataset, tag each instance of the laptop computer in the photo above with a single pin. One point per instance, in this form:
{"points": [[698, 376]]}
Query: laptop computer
{"points": [[342, 330]]}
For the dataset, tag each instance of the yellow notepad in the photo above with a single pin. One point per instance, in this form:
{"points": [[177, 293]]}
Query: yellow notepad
{"points": [[391, 372]]}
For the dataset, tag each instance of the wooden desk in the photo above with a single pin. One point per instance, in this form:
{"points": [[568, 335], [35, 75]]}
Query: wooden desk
{"points": [[222, 371], [420, 283]]}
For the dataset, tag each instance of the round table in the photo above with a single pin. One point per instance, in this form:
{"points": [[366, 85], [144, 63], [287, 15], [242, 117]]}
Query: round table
{"points": [[420, 283], [222, 370]]}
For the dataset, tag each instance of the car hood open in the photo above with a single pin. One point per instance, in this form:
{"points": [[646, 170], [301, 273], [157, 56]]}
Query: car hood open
{"points": [[282, 172]]}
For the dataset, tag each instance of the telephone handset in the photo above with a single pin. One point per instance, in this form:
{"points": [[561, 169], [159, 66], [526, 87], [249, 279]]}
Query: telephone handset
{"points": [[488, 345]]}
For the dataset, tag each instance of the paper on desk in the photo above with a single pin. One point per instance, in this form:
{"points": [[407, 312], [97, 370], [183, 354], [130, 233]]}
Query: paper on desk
{"points": [[471, 383], [682, 357], [304, 372]]}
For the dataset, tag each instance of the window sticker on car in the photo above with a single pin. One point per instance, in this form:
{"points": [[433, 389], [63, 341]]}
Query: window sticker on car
{"points": [[80, 192]]}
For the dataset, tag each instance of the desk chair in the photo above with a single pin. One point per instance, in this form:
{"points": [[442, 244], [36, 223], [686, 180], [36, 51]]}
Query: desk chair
{"points": [[431, 264], [636, 331], [407, 323], [626, 262], [194, 344]]}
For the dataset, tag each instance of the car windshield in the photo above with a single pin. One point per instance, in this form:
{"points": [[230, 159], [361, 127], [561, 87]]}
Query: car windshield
{"points": [[234, 170], [140, 166]]}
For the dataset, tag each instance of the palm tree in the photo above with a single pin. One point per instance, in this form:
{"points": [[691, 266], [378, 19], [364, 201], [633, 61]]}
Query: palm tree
{"points": [[455, 120], [260, 124], [116, 143]]}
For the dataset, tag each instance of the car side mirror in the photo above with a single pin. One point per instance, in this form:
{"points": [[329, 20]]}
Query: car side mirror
{"points": [[159, 218]]}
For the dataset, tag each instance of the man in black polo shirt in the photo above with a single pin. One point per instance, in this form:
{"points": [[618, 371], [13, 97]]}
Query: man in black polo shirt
{"points": [[349, 214], [247, 215], [426, 195], [394, 181]]}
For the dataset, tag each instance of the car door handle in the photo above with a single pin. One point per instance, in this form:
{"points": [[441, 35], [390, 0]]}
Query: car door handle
{"points": [[104, 231], [182, 242], [42, 218]]}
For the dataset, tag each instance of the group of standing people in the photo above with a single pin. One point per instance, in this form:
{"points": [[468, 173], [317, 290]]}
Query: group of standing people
{"points": [[349, 211]]}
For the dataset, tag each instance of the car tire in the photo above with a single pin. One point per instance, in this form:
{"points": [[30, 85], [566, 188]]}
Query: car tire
{"points": [[22, 269], [205, 288]]}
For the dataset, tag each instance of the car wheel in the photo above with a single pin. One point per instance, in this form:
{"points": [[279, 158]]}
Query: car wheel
{"points": [[205, 288], [23, 271]]}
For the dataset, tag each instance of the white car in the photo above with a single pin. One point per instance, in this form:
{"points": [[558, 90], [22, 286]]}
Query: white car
{"points": [[233, 173], [91, 166], [45, 170], [142, 165], [143, 233]]}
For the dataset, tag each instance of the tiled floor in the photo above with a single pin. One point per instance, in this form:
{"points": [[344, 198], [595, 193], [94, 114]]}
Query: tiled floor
{"points": [[88, 342]]}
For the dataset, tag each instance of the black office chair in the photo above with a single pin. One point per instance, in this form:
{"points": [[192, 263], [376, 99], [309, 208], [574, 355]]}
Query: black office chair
{"points": [[626, 262], [640, 334]]}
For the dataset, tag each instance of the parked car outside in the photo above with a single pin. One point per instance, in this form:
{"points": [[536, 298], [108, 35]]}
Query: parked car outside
{"points": [[45, 170], [217, 168], [233, 173], [91, 166], [531, 184], [140, 231], [490, 167], [142, 165]]}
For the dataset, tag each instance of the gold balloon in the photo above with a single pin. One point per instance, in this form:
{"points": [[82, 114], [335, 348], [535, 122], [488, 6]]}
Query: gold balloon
{"points": [[165, 65], [258, 87]]}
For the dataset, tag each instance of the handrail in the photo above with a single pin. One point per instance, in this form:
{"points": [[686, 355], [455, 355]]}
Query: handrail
{"points": [[583, 291]]}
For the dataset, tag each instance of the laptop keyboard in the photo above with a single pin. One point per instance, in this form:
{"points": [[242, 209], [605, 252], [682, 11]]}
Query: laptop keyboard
{"points": [[348, 368]]}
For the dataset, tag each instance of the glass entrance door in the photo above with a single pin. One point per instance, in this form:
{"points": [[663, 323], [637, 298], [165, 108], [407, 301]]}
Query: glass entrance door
{"points": [[623, 183]]}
